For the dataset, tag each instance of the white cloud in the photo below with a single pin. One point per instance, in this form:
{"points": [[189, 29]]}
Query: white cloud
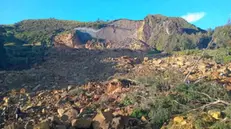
{"points": [[193, 17]]}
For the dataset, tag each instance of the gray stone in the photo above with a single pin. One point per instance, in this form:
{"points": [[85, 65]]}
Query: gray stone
{"points": [[61, 127]]}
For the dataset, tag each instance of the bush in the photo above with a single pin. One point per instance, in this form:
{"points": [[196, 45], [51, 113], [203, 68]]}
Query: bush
{"points": [[162, 95], [221, 125], [161, 80], [138, 113], [222, 55]]}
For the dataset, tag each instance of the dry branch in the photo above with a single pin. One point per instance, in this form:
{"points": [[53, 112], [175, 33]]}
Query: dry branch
{"points": [[194, 66]]}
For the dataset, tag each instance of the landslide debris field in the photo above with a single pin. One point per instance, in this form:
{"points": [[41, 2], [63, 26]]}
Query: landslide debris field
{"points": [[156, 73], [117, 89]]}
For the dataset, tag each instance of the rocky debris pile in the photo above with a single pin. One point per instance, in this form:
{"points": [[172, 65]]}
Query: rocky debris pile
{"points": [[97, 45], [124, 63], [91, 97], [205, 69], [94, 105]]}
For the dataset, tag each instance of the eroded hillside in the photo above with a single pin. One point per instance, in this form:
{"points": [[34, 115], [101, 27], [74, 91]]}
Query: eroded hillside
{"points": [[59, 74], [155, 31], [116, 89]]}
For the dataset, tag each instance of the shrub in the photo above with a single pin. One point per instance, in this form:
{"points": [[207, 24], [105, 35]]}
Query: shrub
{"points": [[163, 95]]}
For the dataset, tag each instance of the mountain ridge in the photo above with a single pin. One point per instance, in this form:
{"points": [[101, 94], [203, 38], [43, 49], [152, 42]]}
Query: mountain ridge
{"points": [[140, 30], [154, 32]]}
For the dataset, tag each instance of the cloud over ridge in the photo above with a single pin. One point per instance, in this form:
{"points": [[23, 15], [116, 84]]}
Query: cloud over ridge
{"points": [[193, 17]]}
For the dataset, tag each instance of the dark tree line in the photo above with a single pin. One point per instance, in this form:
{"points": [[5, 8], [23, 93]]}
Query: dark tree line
{"points": [[3, 57]]}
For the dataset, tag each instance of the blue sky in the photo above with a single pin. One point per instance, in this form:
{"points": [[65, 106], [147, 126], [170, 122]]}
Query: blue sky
{"points": [[202, 13]]}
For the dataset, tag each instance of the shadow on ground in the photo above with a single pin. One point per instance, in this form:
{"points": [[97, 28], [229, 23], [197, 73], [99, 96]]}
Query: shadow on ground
{"points": [[64, 67]]}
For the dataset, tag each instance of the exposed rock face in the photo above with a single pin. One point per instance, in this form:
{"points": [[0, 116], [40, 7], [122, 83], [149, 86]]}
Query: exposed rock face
{"points": [[119, 34], [155, 31], [67, 39]]}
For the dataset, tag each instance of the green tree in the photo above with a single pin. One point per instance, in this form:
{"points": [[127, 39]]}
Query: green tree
{"points": [[3, 57]]}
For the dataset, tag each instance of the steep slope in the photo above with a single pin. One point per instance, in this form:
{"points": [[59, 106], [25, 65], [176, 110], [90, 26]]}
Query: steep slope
{"points": [[121, 33], [157, 31], [222, 37], [170, 33]]}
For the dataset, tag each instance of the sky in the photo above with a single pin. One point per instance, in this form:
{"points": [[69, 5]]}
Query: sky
{"points": [[202, 13]]}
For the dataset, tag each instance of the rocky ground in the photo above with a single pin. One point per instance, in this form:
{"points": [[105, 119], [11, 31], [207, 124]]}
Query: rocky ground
{"points": [[87, 89]]}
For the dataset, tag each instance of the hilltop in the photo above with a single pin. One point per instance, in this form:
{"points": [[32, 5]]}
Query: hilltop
{"points": [[155, 31]]}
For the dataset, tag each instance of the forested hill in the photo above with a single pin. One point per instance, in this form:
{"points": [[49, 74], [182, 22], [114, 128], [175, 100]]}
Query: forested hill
{"points": [[42, 30]]}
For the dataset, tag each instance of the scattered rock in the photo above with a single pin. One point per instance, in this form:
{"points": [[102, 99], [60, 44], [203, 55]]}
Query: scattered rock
{"points": [[43, 111], [179, 120], [81, 123], [144, 119], [100, 121], [14, 126], [82, 97], [64, 118], [54, 119], [60, 111], [29, 125], [71, 113], [215, 114], [145, 59], [61, 127], [70, 87], [57, 97], [116, 123], [42, 125], [114, 87]]}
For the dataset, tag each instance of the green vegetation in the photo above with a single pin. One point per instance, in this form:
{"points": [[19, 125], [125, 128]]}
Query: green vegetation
{"points": [[127, 101], [179, 42], [163, 95], [26, 42], [221, 55], [138, 113], [174, 34], [33, 31], [222, 37], [3, 57], [20, 57]]}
